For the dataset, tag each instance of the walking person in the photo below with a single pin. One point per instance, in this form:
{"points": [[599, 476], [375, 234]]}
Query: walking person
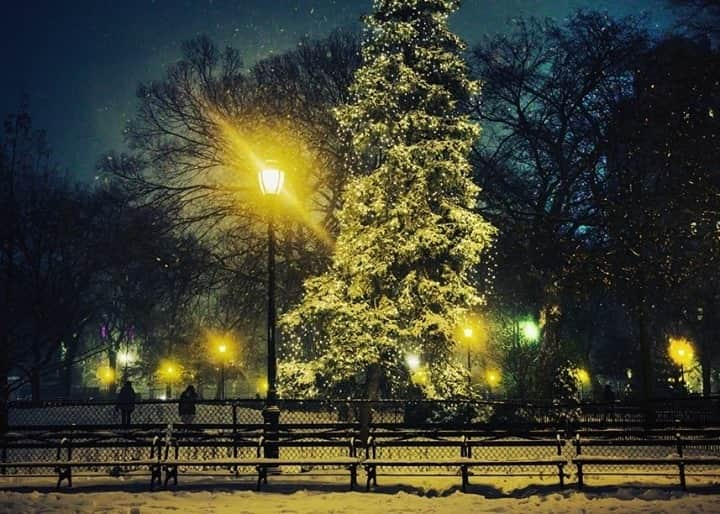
{"points": [[126, 403], [186, 405], [609, 399]]}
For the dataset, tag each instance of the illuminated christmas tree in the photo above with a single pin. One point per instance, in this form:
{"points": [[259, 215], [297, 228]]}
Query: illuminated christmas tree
{"points": [[402, 273]]}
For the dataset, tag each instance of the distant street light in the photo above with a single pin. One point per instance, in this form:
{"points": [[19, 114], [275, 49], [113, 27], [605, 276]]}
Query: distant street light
{"points": [[271, 182], [413, 361], [169, 372], [492, 377], [106, 376], [530, 330], [682, 353], [583, 378]]}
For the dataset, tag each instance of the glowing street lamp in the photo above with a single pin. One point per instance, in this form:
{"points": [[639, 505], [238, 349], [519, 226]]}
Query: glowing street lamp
{"points": [[529, 330], [106, 376], [413, 361], [492, 377], [583, 378], [682, 353], [271, 182], [169, 373]]}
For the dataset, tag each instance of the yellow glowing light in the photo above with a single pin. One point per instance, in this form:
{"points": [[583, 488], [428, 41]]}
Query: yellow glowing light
{"points": [[681, 351], [493, 377], [250, 144], [582, 376], [106, 375], [419, 377], [271, 181], [471, 333], [222, 347], [169, 371], [262, 385]]}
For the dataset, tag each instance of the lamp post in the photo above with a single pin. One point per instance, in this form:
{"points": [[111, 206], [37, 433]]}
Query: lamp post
{"points": [[271, 182], [468, 333], [222, 350]]}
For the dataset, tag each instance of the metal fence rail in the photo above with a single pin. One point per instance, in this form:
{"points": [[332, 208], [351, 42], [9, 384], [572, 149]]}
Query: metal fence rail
{"points": [[489, 414]]}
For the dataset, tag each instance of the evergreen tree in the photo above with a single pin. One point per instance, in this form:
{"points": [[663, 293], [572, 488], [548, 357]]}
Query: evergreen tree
{"points": [[402, 273]]}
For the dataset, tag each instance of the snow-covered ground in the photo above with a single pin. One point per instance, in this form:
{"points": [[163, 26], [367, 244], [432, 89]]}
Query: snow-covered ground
{"points": [[328, 494]]}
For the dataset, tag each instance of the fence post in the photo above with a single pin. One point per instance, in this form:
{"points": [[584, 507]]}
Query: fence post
{"points": [[4, 411], [234, 435], [681, 464], [578, 451]]}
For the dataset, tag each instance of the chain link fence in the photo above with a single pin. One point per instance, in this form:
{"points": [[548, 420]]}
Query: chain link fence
{"points": [[222, 429]]}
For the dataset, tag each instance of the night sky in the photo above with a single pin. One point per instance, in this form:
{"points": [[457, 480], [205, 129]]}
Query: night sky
{"points": [[79, 61]]}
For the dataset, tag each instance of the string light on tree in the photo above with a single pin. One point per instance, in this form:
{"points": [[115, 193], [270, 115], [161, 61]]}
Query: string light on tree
{"points": [[402, 276]]}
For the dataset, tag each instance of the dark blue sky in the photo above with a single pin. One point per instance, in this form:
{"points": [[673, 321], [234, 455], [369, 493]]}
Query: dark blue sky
{"points": [[79, 61]]}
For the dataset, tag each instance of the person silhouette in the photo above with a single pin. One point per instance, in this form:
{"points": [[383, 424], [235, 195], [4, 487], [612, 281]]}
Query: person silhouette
{"points": [[186, 405], [126, 403]]}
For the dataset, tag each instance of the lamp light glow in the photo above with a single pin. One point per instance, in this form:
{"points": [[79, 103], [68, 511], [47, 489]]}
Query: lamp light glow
{"points": [[413, 361], [271, 181], [530, 330]]}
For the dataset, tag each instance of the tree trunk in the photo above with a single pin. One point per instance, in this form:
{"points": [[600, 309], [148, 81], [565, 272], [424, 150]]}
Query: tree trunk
{"points": [[112, 363], [708, 336], [704, 339], [373, 394], [4, 398], [35, 384], [68, 369]]}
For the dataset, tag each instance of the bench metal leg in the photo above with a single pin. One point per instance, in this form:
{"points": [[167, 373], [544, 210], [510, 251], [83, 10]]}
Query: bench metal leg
{"points": [[683, 484], [353, 477], [171, 472], [371, 473], [465, 478], [580, 475], [155, 476], [64, 473], [561, 475], [262, 476]]}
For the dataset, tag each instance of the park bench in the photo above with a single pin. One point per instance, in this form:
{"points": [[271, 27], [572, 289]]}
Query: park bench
{"points": [[679, 449], [65, 461], [465, 443], [265, 465]]}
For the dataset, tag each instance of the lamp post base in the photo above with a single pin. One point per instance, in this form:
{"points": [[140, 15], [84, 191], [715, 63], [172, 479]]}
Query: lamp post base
{"points": [[271, 427]]}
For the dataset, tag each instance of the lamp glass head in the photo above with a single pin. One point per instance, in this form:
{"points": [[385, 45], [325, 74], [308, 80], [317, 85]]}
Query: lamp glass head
{"points": [[271, 181]]}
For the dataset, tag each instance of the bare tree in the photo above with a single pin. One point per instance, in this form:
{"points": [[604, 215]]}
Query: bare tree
{"points": [[548, 91]]}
